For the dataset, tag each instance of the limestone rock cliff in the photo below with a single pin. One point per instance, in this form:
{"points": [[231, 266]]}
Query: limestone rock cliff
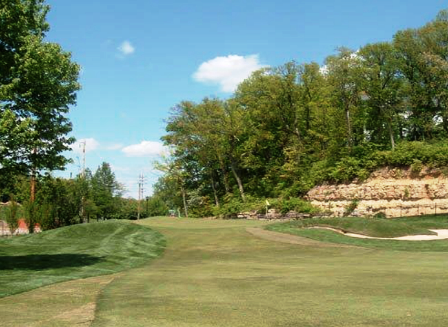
{"points": [[394, 192]]}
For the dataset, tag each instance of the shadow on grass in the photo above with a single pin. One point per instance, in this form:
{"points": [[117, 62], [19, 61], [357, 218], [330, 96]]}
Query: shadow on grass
{"points": [[47, 261]]}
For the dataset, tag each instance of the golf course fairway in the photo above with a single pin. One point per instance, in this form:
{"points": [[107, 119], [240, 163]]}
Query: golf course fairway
{"points": [[216, 273]]}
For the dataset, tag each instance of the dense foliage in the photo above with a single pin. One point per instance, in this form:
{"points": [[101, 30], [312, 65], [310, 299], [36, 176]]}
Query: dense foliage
{"points": [[38, 83], [288, 128], [62, 202]]}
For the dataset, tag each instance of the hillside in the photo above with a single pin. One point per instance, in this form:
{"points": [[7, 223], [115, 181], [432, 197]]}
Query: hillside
{"points": [[73, 252]]}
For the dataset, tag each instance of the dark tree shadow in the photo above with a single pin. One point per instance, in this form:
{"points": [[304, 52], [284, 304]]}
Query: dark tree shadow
{"points": [[46, 261]]}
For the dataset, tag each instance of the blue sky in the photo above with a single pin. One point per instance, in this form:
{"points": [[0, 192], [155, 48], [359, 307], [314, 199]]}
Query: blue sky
{"points": [[139, 58]]}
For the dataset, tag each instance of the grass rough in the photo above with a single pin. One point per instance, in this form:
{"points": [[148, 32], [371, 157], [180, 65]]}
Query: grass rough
{"points": [[79, 251], [371, 227]]}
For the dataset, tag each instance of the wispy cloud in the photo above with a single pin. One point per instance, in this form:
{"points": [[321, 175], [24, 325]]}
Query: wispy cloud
{"points": [[144, 149], [227, 71], [126, 48], [91, 145]]}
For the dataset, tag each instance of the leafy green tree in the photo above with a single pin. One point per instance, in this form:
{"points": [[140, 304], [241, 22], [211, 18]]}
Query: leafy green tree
{"points": [[38, 83], [156, 206], [175, 175], [422, 55], [344, 79], [105, 190], [382, 85]]}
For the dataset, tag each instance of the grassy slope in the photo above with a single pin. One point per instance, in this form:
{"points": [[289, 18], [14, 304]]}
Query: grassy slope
{"points": [[214, 273], [28, 262], [371, 227]]}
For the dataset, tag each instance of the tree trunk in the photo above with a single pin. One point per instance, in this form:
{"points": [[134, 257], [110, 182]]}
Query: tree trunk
{"points": [[184, 199], [33, 181], [32, 186], [238, 180], [349, 127], [308, 118], [225, 174], [391, 133], [214, 190]]}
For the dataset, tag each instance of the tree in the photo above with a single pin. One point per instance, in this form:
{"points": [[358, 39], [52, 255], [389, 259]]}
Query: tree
{"points": [[105, 190], [382, 86], [344, 79], [422, 59], [175, 174], [38, 83]]}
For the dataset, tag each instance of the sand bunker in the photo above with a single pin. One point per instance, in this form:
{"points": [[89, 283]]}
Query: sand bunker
{"points": [[442, 234]]}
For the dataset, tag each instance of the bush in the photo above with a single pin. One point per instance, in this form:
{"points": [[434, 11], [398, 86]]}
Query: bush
{"points": [[235, 206], [230, 208], [416, 166], [294, 204], [380, 215], [351, 207], [11, 215]]}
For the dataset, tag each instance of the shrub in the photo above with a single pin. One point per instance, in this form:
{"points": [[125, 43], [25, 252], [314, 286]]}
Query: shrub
{"points": [[406, 192], [230, 208], [295, 204], [380, 215], [233, 206], [11, 213], [416, 166], [351, 207]]}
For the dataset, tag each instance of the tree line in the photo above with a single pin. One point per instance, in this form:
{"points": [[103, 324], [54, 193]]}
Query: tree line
{"points": [[38, 85], [288, 128], [61, 202]]}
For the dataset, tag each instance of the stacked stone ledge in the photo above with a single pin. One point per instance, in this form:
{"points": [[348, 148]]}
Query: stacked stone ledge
{"points": [[393, 192]]}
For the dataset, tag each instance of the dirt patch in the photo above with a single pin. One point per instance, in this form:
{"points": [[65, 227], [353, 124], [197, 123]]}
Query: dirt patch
{"points": [[63, 304], [84, 315], [291, 239]]}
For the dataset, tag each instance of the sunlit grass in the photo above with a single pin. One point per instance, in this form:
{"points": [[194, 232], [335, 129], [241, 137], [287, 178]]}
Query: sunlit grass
{"points": [[79, 251]]}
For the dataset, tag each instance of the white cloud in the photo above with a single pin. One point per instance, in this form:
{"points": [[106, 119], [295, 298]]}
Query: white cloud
{"points": [[126, 48], [113, 146], [144, 149], [228, 71], [91, 144]]}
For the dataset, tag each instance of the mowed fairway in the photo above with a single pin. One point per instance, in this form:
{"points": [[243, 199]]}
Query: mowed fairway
{"points": [[215, 273]]}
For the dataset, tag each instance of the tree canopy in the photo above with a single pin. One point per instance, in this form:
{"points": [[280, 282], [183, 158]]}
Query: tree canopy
{"points": [[288, 128], [38, 83]]}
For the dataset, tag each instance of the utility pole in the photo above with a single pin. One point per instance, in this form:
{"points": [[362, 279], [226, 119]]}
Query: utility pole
{"points": [[141, 180], [82, 145], [33, 180]]}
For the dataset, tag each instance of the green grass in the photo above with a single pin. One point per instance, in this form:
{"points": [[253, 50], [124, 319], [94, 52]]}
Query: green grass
{"points": [[371, 227], [79, 251], [215, 273]]}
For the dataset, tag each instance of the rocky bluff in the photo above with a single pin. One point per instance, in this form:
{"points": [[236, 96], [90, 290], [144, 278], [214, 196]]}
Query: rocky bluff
{"points": [[393, 192]]}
